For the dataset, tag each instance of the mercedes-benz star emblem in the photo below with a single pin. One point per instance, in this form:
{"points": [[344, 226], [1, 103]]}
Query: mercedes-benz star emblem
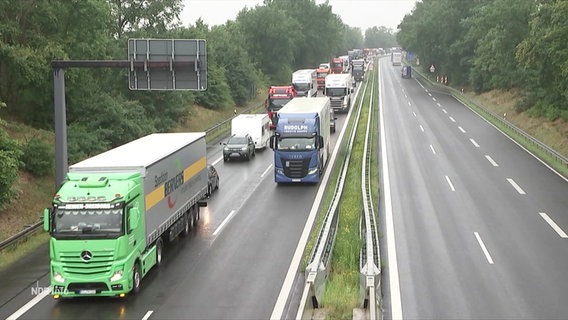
{"points": [[86, 255]]}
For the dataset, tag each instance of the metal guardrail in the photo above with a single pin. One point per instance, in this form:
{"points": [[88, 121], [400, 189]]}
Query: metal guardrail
{"points": [[527, 138], [213, 135]]}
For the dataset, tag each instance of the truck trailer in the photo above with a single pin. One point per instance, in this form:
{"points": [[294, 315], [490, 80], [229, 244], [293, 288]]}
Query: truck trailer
{"points": [[338, 87], [112, 215], [301, 140], [305, 82], [256, 125]]}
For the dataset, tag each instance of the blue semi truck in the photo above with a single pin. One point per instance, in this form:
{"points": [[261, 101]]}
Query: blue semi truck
{"points": [[301, 140]]}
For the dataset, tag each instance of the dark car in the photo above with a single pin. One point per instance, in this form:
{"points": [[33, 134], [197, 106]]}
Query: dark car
{"points": [[213, 183], [332, 119], [239, 146]]}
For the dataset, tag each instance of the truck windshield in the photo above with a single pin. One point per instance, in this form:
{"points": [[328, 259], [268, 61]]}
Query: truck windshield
{"points": [[335, 92], [296, 143], [302, 86], [70, 221], [277, 104]]}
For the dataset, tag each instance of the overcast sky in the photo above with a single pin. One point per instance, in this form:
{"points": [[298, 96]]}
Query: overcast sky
{"points": [[355, 13]]}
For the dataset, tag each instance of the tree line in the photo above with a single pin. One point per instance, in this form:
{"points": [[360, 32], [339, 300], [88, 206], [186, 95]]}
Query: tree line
{"points": [[496, 44], [260, 47]]}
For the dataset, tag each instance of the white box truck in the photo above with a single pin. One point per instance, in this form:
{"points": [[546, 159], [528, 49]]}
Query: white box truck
{"points": [[305, 82], [338, 87], [256, 125]]}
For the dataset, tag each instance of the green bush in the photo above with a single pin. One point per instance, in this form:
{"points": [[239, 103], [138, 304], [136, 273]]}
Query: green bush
{"points": [[38, 157], [10, 159]]}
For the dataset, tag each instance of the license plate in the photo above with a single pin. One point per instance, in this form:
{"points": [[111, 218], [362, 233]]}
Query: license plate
{"points": [[87, 291]]}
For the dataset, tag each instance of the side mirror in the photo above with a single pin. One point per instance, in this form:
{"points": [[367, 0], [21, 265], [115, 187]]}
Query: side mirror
{"points": [[133, 219], [320, 142], [272, 141], [46, 219]]}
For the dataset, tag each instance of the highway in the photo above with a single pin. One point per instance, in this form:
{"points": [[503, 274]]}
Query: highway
{"points": [[479, 223], [231, 267]]}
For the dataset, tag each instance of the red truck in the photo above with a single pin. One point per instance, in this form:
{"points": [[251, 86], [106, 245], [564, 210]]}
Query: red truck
{"points": [[336, 65], [278, 96], [321, 74]]}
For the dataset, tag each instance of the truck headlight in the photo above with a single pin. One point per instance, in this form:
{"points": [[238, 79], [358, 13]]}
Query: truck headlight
{"points": [[244, 148], [226, 148], [58, 277], [279, 171], [313, 171], [116, 276]]}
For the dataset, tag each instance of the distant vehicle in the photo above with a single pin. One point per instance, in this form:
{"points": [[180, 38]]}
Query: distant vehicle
{"points": [[256, 125], [321, 74], [278, 96], [406, 72], [305, 82], [336, 65], [241, 146], [324, 65], [213, 183], [396, 58], [358, 69], [338, 88], [332, 119]]}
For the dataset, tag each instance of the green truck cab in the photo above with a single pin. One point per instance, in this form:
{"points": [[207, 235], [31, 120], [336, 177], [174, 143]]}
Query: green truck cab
{"points": [[112, 215]]}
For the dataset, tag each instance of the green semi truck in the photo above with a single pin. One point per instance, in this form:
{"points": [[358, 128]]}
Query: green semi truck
{"points": [[112, 215]]}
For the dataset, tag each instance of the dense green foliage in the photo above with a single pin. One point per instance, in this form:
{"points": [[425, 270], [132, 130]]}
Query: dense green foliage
{"points": [[38, 157], [496, 44]]}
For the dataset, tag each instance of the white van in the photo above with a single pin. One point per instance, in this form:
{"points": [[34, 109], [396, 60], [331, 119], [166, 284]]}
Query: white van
{"points": [[256, 125]]}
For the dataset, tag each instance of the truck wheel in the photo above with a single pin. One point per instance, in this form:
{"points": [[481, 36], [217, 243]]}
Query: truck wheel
{"points": [[185, 232], [159, 252], [136, 278], [209, 190]]}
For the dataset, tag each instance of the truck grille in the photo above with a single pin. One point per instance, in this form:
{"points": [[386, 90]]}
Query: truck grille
{"points": [[98, 286], [99, 264], [336, 104], [296, 168]]}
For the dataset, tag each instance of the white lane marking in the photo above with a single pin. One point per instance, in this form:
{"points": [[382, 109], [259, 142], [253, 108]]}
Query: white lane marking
{"points": [[461, 129], [422, 128], [409, 104], [394, 282], [516, 186], [227, 219], [491, 160], [414, 113], [266, 171], [434, 99], [26, 307], [553, 224], [147, 315], [217, 161], [438, 104], [429, 94], [444, 110], [474, 143], [450, 183], [485, 251], [432, 148], [452, 119]]}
